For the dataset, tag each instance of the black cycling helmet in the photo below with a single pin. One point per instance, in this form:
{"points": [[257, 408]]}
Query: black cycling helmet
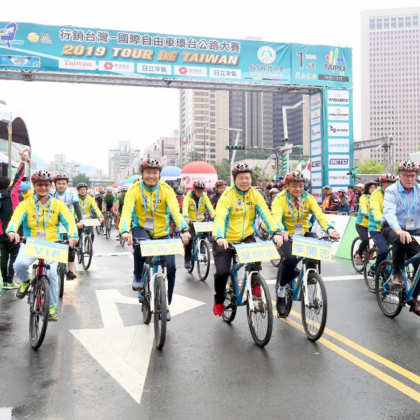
{"points": [[200, 185], [179, 192], [41, 175], [150, 163], [387, 178], [210, 191], [241, 168], [61, 177], [295, 176], [81, 185], [220, 182], [408, 165]]}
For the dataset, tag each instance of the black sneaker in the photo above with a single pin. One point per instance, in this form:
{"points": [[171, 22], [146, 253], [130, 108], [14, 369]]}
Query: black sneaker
{"points": [[187, 264], [71, 275], [281, 306]]}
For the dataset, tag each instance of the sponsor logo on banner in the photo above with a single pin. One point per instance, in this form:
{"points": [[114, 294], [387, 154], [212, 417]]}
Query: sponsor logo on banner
{"points": [[316, 148], [33, 37], [317, 193], [337, 113], [316, 180], [316, 132], [338, 145], [338, 161], [335, 61], [76, 64], [315, 101], [316, 164], [315, 116], [116, 66], [190, 71], [338, 97], [338, 129], [19, 61], [153, 69], [8, 34], [225, 73], [266, 55], [338, 178], [46, 39]]}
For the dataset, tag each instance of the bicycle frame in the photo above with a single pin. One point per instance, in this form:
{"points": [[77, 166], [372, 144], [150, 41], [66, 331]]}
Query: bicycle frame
{"points": [[196, 241], [155, 263], [409, 291], [303, 279]]}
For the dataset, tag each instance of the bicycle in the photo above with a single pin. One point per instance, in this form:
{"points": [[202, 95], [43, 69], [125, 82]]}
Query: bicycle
{"points": [[309, 289], [354, 249], [85, 248], [100, 229], [39, 300], [153, 299], [108, 225], [201, 254], [392, 300], [62, 274], [259, 308]]}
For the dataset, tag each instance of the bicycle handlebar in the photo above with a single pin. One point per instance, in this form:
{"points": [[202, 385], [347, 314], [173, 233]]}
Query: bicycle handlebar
{"points": [[64, 242]]}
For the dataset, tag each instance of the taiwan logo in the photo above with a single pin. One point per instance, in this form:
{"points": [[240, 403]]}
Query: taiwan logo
{"points": [[335, 61], [266, 55], [8, 34], [239, 202]]}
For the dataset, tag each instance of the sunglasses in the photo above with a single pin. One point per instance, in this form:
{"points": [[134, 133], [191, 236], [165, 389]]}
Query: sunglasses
{"points": [[43, 184]]}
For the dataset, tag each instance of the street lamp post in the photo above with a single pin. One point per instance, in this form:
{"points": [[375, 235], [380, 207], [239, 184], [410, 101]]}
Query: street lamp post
{"points": [[204, 126]]}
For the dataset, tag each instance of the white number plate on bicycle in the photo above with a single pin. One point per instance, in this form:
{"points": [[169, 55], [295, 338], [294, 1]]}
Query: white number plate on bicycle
{"points": [[49, 251], [256, 251], [203, 227], [91, 222], [312, 248], [156, 247]]}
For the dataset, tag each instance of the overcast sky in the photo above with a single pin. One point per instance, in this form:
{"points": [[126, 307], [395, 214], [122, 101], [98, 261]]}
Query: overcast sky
{"points": [[84, 121]]}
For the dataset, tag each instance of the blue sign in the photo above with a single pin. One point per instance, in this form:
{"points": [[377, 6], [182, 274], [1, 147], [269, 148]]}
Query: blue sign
{"points": [[68, 49]]}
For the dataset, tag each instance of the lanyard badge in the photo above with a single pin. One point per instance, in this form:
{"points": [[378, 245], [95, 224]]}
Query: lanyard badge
{"points": [[45, 223], [150, 221]]}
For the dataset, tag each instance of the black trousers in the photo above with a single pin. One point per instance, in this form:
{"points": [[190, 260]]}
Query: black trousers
{"points": [[188, 247], [290, 261], [364, 236], [223, 261], [402, 252], [9, 252]]}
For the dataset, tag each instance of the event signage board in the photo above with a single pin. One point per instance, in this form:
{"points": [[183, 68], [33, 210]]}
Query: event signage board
{"points": [[49, 251], [68, 49], [316, 123], [155, 247], [311, 248], [256, 251]]}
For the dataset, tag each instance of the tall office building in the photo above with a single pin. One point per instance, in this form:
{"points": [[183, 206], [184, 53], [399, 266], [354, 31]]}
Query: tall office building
{"points": [[121, 158], [260, 116], [202, 113], [390, 79]]}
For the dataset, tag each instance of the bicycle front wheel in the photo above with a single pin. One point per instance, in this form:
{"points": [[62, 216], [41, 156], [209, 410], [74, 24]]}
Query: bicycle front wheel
{"points": [[108, 229], [314, 313], [260, 319], [229, 305], [160, 312], [87, 257], [355, 248], [39, 308], [61, 278], [203, 261], [369, 264], [80, 253], [145, 303], [388, 299], [98, 229]]}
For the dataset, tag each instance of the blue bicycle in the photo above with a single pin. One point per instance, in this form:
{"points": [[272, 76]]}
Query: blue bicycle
{"points": [[253, 292], [390, 299], [153, 295], [201, 254]]}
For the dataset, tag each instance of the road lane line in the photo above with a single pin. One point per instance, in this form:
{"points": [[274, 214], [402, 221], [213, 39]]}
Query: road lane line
{"points": [[112, 254], [329, 278], [391, 365], [362, 364], [5, 413]]}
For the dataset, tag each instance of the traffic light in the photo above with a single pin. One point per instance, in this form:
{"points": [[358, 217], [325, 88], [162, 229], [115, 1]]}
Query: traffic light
{"points": [[235, 147], [353, 172], [284, 163]]}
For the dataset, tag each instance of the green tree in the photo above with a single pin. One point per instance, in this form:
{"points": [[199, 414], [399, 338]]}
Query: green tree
{"points": [[81, 178], [370, 166], [223, 170], [252, 154]]}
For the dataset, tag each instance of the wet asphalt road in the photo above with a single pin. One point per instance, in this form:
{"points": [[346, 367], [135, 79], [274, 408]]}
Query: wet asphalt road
{"points": [[97, 361]]}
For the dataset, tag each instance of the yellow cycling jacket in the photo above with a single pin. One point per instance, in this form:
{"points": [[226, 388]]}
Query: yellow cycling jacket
{"points": [[189, 208], [162, 198], [376, 210], [236, 213], [86, 205], [364, 209], [285, 213], [58, 213]]}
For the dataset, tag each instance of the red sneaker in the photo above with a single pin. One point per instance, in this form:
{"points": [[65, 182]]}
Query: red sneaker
{"points": [[358, 259], [256, 291], [218, 309]]}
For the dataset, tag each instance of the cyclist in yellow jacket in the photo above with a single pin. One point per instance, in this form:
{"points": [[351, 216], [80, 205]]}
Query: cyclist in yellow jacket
{"points": [[41, 216], [362, 220], [194, 207], [149, 204], [236, 212], [292, 209], [375, 219]]}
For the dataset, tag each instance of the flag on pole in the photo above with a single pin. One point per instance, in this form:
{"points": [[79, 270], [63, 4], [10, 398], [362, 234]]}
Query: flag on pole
{"points": [[307, 171], [299, 165]]}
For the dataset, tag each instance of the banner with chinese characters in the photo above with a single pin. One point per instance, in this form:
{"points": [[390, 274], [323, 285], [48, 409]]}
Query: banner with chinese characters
{"points": [[68, 49], [203, 227], [321, 65], [316, 142], [157, 247], [256, 251], [311, 248]]}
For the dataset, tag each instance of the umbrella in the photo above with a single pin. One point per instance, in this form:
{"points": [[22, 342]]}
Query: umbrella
{"points": [[132, 178]]}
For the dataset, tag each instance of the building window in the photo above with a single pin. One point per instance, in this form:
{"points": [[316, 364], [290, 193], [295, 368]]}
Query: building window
{"points": [[379, 22], [401, 21], [415, 21], [386, 22], [372, 23], [408, 21]]}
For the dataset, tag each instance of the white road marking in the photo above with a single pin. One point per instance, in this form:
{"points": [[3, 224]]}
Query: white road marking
{"points": [[124, 352], [329, 278], [112, 254], [93, 265], [6, 413]]}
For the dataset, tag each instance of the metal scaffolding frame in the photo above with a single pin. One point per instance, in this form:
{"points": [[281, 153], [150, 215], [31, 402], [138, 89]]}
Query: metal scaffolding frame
{"points": [[387, 143]]}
